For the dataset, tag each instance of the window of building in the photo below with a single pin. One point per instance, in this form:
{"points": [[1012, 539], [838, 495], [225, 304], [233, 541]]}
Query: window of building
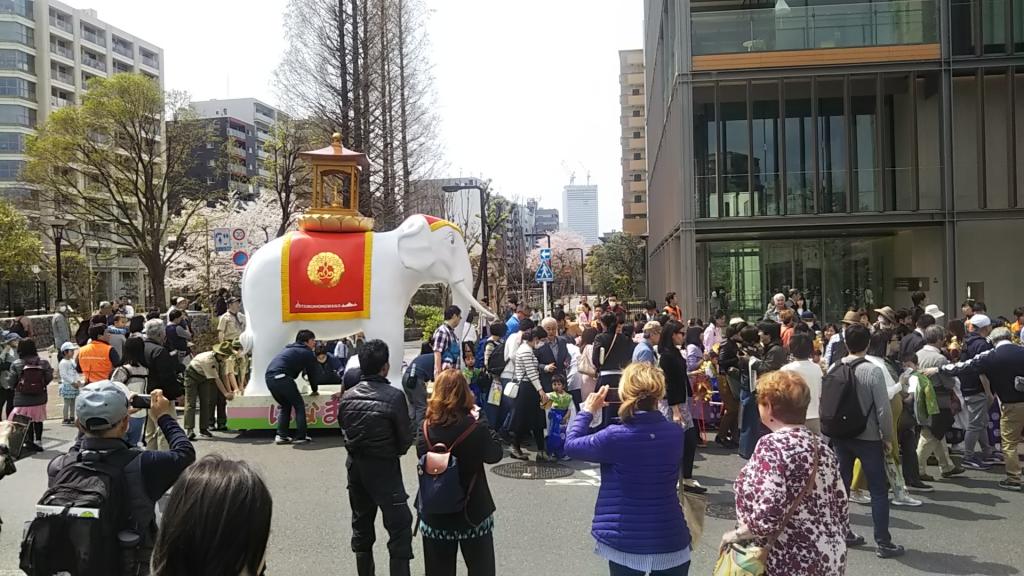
{"points": [[927, 98], [10, 169], [638, 198], [799, 147], [211, 163], [17, 60], [210, 145], [16, 32], [12, 142], [12, 114], [735, 169], [832, 144], [637, 178], [705, 149], [636, 91], [18, 87], [22, 8], [765, 168], [636, 113], [864, 124], [636, 156], [967, 154], [636, 134], [210, 180], [997, 132]]}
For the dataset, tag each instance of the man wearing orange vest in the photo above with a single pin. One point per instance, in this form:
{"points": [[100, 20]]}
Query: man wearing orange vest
{"points": [[97, 359]]}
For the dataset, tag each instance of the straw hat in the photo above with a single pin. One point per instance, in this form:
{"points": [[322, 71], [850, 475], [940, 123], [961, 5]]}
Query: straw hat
{"points": [[851, 317], [888, 313]]}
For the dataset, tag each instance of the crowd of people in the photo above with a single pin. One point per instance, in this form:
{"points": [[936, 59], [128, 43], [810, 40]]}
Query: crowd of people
{"points": [[820, 413]]}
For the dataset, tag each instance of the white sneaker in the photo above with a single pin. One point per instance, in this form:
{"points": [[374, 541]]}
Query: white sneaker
{"points": [[859, 497], [906, 500], [282, 440]]}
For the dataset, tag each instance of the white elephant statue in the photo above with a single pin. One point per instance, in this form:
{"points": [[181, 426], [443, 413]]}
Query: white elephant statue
{"points": [[423, 250]]}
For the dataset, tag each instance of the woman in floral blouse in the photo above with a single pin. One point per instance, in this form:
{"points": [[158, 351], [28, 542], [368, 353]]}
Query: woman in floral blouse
{"points": [[812, 542]]}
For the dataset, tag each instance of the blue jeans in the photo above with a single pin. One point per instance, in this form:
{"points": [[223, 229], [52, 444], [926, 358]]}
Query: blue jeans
{"points": [[286, 394], [135, 428], [620, 570], [872, 461]]}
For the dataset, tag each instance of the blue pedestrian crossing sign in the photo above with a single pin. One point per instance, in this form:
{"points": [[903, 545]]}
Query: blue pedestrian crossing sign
{"points": [[545, 254], [544, 273]]}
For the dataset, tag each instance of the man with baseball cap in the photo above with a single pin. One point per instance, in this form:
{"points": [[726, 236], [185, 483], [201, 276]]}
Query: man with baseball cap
{"points": [[977, 398], [102, 417]]}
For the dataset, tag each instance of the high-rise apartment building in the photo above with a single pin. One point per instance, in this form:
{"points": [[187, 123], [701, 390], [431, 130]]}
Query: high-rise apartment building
{"points": [[545, 221], [633, 120], [245, 124], [857, 151], [579, 211], [48, 53]]}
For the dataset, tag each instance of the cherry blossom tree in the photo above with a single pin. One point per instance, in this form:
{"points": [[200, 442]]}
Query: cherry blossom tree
{"points": [[259, 219]]}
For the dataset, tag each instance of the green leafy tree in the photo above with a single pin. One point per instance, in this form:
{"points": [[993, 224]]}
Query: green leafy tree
{"points": [[618, 266], [288, 175], [20, 248], [109, 165]]}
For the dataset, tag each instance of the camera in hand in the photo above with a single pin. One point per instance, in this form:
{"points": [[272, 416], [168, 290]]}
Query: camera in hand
{"points": [[141, 401], [612, 397]]}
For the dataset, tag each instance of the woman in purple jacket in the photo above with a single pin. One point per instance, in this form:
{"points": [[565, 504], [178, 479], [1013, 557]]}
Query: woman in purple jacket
{"points": [[638, 522]]}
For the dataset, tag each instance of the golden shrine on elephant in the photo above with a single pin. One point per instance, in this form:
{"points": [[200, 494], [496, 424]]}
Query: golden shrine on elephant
{"points": [[335, 201]]}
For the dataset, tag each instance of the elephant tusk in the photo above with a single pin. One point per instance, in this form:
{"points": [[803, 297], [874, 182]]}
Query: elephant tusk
{"points": [[460, 288]]}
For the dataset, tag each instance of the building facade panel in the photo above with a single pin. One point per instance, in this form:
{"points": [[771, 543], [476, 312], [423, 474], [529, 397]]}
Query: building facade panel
{"points": [[856, 180]]}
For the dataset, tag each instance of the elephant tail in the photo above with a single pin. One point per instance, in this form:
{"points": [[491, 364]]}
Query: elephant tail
{"points": [[246, 339]]}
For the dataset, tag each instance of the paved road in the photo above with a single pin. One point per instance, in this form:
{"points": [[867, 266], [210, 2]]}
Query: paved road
{"points": [[967, 526]]}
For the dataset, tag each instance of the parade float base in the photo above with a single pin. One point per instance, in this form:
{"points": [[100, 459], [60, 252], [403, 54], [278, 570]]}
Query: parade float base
{"points": [[260, 412]]}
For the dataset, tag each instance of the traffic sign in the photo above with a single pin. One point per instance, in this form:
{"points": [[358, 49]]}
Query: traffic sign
{"points": [[221, 239], [240, 258], [545, 254], [544, 274]]}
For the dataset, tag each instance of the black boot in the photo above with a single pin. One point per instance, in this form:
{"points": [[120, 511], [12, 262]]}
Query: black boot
{"points": [[364, 564], [399, 566]]}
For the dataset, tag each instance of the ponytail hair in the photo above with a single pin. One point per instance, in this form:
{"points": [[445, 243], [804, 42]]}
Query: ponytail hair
{"points": [[641, 388]]}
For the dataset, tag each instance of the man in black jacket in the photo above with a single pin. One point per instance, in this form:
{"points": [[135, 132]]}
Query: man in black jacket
{"points": [[296, 358], [165, 372], [375, 424]]}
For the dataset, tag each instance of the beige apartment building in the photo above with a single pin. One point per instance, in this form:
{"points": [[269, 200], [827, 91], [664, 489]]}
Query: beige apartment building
{"points": [[634, 136]]}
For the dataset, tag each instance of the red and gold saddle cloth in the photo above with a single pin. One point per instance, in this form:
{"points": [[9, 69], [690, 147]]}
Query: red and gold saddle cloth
{"points": [[326, 276]]}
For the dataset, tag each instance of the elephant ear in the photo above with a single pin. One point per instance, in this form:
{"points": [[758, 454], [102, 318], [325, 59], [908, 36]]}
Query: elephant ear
{"points": [[414, 246]]}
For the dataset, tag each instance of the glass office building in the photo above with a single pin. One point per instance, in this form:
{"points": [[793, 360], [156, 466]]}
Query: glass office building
{"points": [[857, 151]]}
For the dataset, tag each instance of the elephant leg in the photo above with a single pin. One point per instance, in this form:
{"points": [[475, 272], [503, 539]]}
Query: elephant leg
{"points": [[395, 339]]}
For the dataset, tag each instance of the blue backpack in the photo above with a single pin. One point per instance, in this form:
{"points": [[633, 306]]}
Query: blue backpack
{"points": [[441, 491], [481, 348]]}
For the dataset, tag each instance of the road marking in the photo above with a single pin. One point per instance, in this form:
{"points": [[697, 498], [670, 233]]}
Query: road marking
{"points": [[593, 478]]}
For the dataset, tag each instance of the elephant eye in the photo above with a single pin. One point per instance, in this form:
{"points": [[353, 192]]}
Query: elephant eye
{"points": [[451, 238]]}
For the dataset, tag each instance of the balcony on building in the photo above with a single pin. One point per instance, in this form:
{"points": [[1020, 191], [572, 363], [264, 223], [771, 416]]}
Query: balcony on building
{"points": [[61, 21], [92, 60], [94, 35], [61, 48], [86, 77], [60, 98], [149, 59], [63, 75], [264, 115], [21, 8], [236, 131], [122, 68], [237, 151], [262, 135], [122, 48], [815, 34]]}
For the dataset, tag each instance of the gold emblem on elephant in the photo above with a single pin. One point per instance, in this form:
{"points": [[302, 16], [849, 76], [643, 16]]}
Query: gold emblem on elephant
{"points": [[325, 270]]}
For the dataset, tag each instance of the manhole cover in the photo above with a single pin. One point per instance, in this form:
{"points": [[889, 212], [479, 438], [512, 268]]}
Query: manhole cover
{"points": [[532, 470], [722, 510]]}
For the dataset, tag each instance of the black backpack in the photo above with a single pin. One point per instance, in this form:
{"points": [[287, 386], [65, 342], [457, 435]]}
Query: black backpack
{"points": [[93, 520], [441, 489], [33, 378], [497, 361], [839, 410]]}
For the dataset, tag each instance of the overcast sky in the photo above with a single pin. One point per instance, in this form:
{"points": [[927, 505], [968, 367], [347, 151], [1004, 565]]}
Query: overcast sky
{"points": [[527, 91]]}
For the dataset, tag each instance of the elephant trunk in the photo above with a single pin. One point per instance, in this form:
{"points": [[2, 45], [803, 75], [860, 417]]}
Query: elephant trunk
{"points": [[462, 298]]}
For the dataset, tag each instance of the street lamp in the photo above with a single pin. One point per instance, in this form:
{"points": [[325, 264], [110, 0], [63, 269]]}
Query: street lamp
{"points": [[583, 266], [484, 238], [58, 237]]}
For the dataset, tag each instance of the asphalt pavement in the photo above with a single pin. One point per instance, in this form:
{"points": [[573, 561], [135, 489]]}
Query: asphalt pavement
{"points": [[967, 526]]}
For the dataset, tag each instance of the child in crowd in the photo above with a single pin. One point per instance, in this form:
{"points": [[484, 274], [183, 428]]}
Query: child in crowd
{"points": [[479, 383], [70, 380], [559, 403]]}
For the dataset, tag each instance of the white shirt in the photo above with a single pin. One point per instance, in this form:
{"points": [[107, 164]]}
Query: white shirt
{"points": [[129, 310], [811, 373], [573, 377], [511, 345]]}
